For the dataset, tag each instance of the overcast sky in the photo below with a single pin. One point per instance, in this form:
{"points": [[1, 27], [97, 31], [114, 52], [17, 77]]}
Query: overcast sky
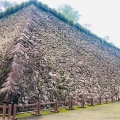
{"points": [[103, 15]]}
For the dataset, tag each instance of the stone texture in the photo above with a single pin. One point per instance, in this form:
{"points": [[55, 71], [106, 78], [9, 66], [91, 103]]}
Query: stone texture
{"points": [[46, 58]]}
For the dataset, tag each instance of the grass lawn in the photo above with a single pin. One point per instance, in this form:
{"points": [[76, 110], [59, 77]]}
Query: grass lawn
{"points": [[63, 110], [109, 111]]}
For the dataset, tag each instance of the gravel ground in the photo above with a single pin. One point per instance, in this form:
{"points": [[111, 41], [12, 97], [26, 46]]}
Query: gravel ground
{"points": [[102, 112]]}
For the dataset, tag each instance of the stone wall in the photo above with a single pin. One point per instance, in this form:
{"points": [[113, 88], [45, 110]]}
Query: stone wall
{"points": [[52, 60]]}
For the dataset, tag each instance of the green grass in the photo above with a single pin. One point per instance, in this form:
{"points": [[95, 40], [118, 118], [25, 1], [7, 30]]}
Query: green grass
{"points": [[22, 115], [62, 110], [45, 112], [108, 111]]}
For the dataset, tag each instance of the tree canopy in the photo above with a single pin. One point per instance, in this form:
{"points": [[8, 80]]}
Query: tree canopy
{"points": [[69, 12], [4, 4]]}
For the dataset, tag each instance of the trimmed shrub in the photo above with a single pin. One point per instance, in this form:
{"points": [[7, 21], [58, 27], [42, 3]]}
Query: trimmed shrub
{"points": [[16, 8], [1, 14]]}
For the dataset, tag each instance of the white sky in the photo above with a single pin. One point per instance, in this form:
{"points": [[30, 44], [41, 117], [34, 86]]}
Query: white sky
{"points": [[103, 15]]}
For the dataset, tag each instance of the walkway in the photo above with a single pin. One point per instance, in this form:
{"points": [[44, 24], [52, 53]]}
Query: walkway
{"points": [[101, 112]]}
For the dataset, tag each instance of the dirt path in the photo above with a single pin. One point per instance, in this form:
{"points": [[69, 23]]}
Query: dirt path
{"points": [[102, 112]]}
